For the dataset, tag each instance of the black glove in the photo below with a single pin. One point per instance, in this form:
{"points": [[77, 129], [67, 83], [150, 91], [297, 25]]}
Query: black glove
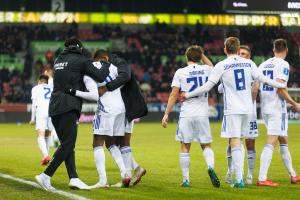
{"points": [[105, 64], [70, 91]]}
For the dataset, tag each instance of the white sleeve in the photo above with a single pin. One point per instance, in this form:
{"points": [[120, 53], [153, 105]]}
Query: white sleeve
{"points": [[176, 80], [270, 82], [33, 105], [255, 71], [221, 89], [216, 73], [91, 86], [200, 90], [283, 72]]}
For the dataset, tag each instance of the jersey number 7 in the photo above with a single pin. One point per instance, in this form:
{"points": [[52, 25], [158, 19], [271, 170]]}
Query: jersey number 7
{"points": [[197, 82]]}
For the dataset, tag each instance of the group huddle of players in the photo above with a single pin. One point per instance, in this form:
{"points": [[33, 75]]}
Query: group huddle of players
{"points": [[110, 125], [240, 81]]}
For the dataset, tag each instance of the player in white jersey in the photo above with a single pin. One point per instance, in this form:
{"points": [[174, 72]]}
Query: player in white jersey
{"points": [[40, 96], [193, 124], [54, 141], [122, 142], [236, 74], [274, 113], [249, 136], [109, 121]]}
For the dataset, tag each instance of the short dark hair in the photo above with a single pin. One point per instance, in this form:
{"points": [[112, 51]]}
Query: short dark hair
{"points": [[232, 45], [100, 53], [194, 53], [246, 47], [43, 77], [280, 45], [73, 41]]}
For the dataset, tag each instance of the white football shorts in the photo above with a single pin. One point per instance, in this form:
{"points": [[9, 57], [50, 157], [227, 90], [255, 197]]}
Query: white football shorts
{"points": [[193, 129], [277, 124], [109, 125], [235, 126], [129, 127], [43, 123]]}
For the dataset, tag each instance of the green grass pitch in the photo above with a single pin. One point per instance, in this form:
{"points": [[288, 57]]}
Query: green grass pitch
{"points": [[156, 150]]}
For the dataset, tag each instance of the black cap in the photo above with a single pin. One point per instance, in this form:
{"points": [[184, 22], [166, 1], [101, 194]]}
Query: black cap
{"points": [[73, 41]]}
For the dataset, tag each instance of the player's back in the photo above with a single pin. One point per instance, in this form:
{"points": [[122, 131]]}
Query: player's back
{"points": [[188, 79], [236, 80], [274, 68], [41, 94], [111, 102]]}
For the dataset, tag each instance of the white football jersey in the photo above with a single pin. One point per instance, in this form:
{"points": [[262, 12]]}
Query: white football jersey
{"points": [[50, 82], [236, 74], [274, 68], [40, 96], [188, 79], [111, 103]]}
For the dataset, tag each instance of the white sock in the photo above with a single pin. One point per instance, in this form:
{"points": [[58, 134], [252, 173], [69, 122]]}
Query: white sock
{"points": [[135, 165], [127, 158], [116, 155], [185, 165], [54, 135], [237, 160], [229, 161], [42, 145], [251, 161], [286, 158], [48, 142], [243, 156], [99, 157], [209, 157], [265, 161]]}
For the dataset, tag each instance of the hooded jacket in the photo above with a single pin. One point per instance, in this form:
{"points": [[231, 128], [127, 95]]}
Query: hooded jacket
{"points": [[69, 68]]}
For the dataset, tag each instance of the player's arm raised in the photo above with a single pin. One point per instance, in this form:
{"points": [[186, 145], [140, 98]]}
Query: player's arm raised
{"points": [[205, 60], [171, 102]]}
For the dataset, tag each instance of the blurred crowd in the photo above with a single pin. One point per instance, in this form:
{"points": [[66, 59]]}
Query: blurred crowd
{"points": [[154, 52]]}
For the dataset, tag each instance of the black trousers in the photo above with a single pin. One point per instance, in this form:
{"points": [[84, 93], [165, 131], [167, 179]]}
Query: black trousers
{"points": [[66, 129]]}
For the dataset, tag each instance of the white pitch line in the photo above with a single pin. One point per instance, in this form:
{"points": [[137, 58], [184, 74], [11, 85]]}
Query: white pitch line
{"points": [[60, 192]]}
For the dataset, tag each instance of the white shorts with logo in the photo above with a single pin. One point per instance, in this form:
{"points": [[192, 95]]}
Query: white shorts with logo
{"points": [[109, 125], [194, 129], [252, 133], [235, 126], [129, 127], [43, 123], [277, 124]]}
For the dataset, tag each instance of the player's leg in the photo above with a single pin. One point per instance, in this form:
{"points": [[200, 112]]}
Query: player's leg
{"points": [[237, 158], [48, 139], [265, 161], [99, 157], [118, 131], [202, 134], [287, 159], [251, 155], [230, 170], [127, 155], [42, 142], [273, 123], [210, 162], [184, 158], [184, 134]]}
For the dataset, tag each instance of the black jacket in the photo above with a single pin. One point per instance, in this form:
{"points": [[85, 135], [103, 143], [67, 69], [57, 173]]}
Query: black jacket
{"points": [[70, 67], [134, 101]]}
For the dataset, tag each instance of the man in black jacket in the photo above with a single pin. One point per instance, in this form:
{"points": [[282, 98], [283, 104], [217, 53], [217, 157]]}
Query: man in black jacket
{"points": [[64, 108], [135, 108]]}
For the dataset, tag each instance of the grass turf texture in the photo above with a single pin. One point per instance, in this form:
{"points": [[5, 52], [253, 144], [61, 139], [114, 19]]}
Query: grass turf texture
{"points": [[156, 150]]}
